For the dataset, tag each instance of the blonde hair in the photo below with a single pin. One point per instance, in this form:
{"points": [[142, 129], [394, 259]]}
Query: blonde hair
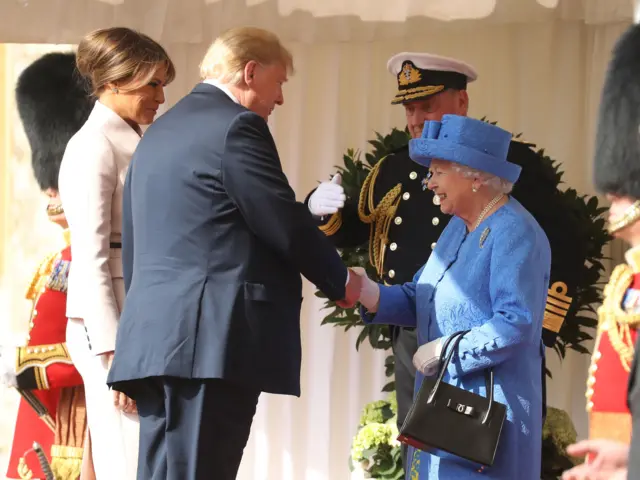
{"points": [[121, 56], [228, 55]]}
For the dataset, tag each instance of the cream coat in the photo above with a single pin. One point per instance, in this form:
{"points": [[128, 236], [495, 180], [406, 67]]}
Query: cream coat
{"points": [[91, 179]]}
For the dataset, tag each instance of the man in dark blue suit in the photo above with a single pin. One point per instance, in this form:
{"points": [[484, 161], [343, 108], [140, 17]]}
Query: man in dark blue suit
{"points": [[213, 246]]}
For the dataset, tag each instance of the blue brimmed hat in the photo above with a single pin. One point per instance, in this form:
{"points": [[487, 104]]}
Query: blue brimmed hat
{"points": [[466, 141]]}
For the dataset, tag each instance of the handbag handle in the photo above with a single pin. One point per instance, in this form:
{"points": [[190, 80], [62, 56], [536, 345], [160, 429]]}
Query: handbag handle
{"points": [[444, 364]]}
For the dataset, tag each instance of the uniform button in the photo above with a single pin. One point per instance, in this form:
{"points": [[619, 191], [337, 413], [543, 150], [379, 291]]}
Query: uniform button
{"points": [[413, 175], [591, 381], [592, 369], [598, 355], [398, 220], [436, 200], [435, 220], [31, 324], [589, 406], [393, 246], [589, 393], [433, 245], [392, 273], [35, 312], [406, 196]]}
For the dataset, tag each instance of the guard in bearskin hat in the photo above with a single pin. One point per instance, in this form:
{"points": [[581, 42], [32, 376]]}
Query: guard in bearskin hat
{"points": [[613, 385], [53, 104], [401, 219]]}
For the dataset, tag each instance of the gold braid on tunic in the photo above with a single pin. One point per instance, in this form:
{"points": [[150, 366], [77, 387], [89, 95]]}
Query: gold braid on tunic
{"points": [[614, 320], [379, 216]]}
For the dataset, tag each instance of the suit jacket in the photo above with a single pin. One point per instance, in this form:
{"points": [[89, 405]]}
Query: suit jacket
{"points": [[213, 246], [91, 179]]}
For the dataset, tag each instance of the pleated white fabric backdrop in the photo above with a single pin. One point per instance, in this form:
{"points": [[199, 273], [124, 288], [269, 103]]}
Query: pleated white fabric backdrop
{"points": [[542, 79]]}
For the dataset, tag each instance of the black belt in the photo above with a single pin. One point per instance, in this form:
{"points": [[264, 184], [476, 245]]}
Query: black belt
{"points": [[115, 245]]}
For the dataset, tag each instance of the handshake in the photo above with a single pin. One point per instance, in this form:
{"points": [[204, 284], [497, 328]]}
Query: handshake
{"points": [[360, 288]]}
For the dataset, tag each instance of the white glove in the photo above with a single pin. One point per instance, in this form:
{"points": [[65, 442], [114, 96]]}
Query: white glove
{"points": [[427, 357], [328, 198], [7, 366], [370, 291]]}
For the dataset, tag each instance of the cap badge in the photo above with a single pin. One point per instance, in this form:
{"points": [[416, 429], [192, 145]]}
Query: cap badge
{"points": [[409, 74]]}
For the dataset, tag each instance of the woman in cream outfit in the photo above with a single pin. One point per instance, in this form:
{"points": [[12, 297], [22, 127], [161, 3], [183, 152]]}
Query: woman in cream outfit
{"points": [[128, 72]]}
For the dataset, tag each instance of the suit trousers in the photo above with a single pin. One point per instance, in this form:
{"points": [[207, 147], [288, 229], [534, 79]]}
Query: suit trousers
{"points": [[114, 434], [192, 429]]}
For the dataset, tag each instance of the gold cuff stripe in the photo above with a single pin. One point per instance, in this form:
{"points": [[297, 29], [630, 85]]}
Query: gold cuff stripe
{"points": [[558, 304], [41, 356], [333, 225]]}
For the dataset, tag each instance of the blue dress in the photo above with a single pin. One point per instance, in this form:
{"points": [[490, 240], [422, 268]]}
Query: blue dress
{"points": [[492, 281]]}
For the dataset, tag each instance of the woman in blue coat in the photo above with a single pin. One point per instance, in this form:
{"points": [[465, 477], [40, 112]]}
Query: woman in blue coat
{"points": [[488, 273]]}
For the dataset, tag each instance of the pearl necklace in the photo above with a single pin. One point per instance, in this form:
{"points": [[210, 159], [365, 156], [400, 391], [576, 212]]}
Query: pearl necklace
{"points": [[489, 206]]}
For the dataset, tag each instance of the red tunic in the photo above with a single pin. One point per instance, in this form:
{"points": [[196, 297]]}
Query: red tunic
{"points": [[609, 415], [43, 365]]}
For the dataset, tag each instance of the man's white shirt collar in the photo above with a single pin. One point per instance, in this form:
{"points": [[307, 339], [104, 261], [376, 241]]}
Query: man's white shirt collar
{"points": [[222, 87]]}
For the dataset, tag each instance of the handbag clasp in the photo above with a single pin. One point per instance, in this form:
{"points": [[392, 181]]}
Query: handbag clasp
{"points": [[461, 408]]}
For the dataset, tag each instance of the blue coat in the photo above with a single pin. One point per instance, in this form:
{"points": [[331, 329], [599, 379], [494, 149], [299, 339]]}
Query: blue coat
{"points": [[494, 282]]}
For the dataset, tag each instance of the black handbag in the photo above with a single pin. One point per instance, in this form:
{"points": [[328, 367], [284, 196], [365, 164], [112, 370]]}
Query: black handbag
{"points": [[453, 423]]}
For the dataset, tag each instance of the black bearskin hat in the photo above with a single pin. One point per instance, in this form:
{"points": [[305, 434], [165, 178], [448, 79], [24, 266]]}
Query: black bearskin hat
{"points": [[53, 102], [617, 150]]}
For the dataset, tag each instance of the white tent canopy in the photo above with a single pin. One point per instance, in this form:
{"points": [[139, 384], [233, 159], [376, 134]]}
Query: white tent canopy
{"points": [[196, 21]]}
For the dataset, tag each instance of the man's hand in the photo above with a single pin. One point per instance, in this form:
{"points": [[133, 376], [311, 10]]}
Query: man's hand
{"points": [[607, 460], [328, 198], [120, 400], [352, 291], [8, 366], [370, 293]]}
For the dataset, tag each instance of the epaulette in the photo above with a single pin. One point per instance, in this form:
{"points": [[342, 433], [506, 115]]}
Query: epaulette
{"points": [[41, 276], [59, 276], [613, 319]]}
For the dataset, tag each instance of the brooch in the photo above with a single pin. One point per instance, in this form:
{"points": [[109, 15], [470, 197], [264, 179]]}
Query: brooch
{"points": [[483, 237]]}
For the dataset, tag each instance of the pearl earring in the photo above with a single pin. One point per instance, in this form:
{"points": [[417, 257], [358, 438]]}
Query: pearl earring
{"points": [[474, 189]]}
